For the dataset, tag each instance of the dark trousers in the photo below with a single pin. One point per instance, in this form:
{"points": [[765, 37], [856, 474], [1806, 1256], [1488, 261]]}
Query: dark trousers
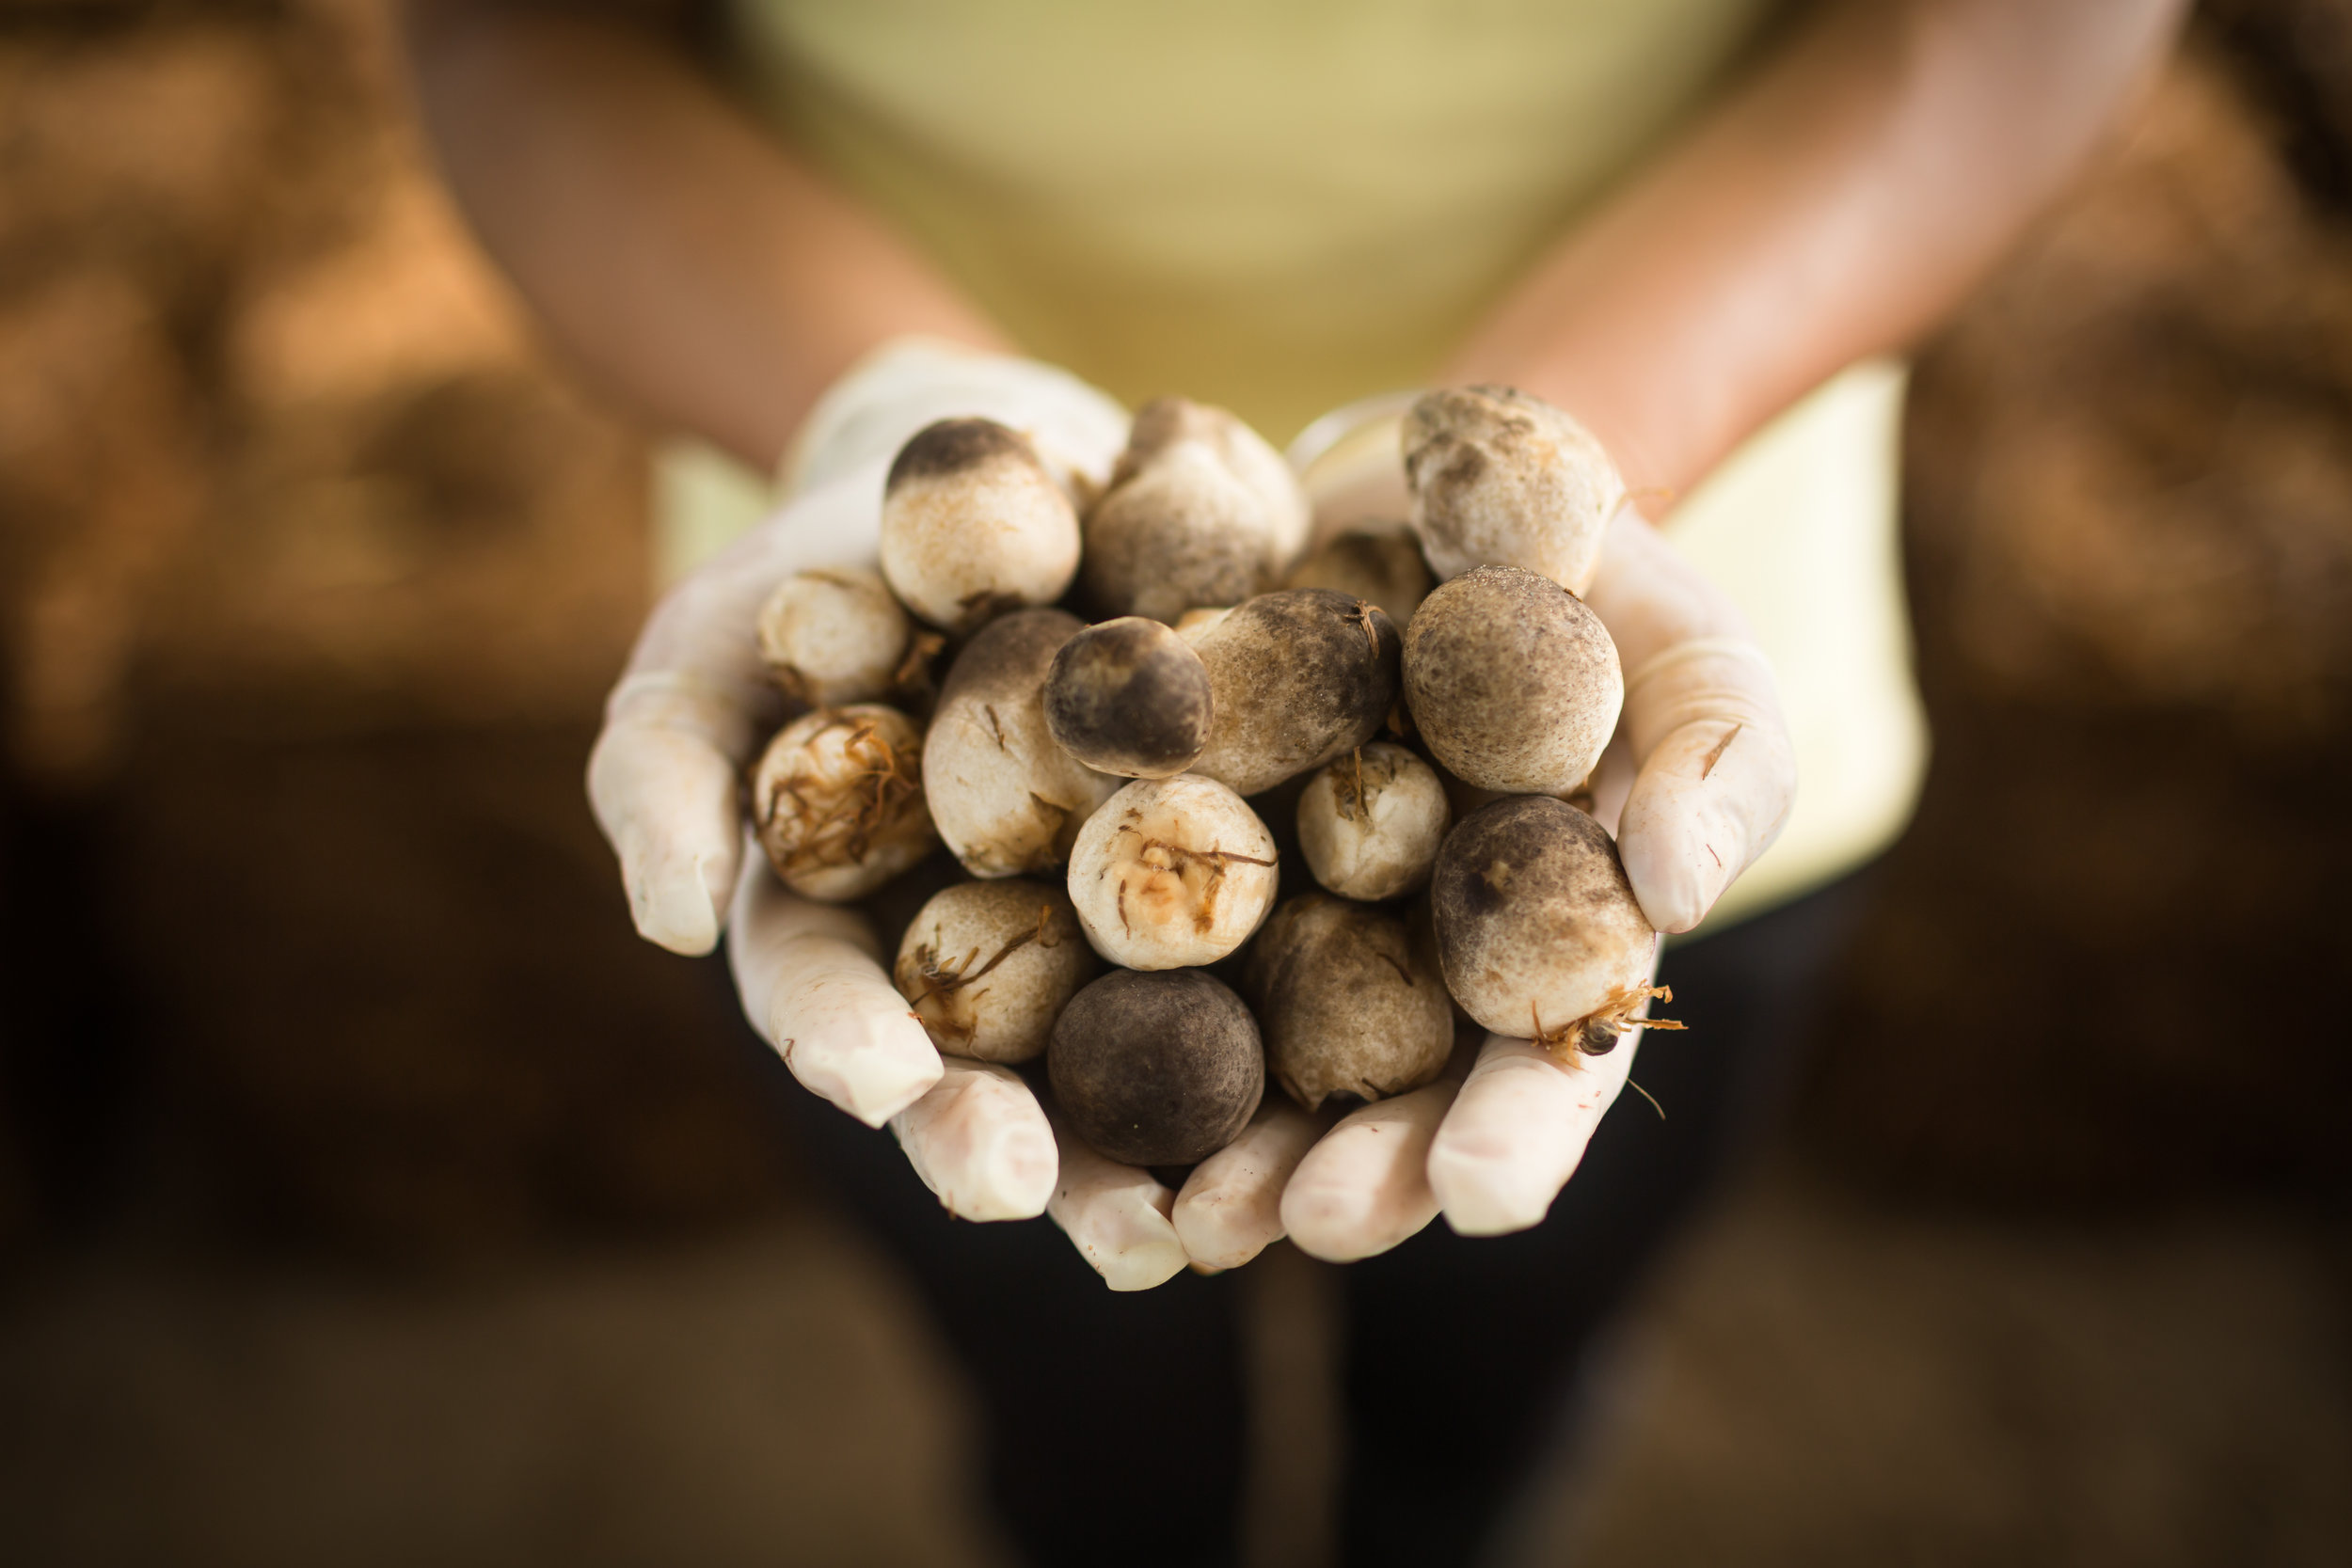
{"points": [[1111, 1425]]}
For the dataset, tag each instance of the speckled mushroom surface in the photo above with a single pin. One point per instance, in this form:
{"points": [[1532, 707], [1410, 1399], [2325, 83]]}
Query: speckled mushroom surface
{"points": [[1513, 683], [1537, 927]]}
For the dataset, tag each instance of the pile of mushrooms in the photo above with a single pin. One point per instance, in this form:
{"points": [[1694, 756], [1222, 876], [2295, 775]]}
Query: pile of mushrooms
{"points": [[1096, 705]]}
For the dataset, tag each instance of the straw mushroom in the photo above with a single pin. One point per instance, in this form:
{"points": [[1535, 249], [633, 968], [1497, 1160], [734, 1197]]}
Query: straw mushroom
{"points": [[1157, 1069], [973, 524], [1006, 799], [1347, 1002], [1387, 569], [1369, 823], [1299, 677], [1171, 873], [837, 800], [1511, 681], [834, 635], [1200, 511], [1538, 932], [1129, 697], [1498, 477], [988, 967]]}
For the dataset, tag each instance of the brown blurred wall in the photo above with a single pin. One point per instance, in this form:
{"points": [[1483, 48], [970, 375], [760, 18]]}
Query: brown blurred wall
{"points": [[312, 573]]}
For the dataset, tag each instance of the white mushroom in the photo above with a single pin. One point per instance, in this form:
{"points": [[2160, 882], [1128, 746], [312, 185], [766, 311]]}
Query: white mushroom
{"points": [[1369, 823], [973, 524], [834, 635], [1006, 799], [837, 800], [988, 967], [1171, 873]]}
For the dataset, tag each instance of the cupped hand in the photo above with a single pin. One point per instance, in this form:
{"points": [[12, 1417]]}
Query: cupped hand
{"points": [[664, 780], [1696, 784]]}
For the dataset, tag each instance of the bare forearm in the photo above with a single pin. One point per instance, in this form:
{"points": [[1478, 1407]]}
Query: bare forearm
{"points": [[674, 252], [1839, 205]]}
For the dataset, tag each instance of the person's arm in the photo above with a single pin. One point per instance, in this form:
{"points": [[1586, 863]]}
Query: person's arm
{"points": [[685, 261], [1837, 204]]}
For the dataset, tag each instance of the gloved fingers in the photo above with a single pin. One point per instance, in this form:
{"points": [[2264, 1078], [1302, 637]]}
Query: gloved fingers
{"points": [[1518, 1130], [1077, 430], [1231, 1208], [1715, 769], [1718, 776], [694, 704], [812, 985], [1116, 1215], [1364, 1186], [981, 1141]]}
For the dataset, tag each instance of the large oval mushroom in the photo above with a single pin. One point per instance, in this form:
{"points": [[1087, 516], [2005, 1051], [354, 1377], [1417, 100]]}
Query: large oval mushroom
{"points": [[1538, 932], [1157, 1069], [1499, 478], [1297, 677], [1513, 683]]}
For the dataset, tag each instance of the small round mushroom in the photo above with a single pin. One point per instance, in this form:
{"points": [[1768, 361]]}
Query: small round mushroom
{"points": [[1498, 477], [1511, 681], [1299, 677], [834, 635], [1538, 932], [973, 524], [988, 967], [837, 800], [1171, 873], [1386, 569], [1129, 697], [1200, 511], [1006, 799], [1156, 1070], [1347, 1002], [1369, 823]]}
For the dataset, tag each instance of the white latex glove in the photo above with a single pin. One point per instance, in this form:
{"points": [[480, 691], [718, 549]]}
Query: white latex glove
{"points": [[686, 720], [1696, 786]]}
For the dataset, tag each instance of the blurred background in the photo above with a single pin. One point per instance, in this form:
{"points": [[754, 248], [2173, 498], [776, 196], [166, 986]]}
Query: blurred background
{"points": [[369, 1193]]}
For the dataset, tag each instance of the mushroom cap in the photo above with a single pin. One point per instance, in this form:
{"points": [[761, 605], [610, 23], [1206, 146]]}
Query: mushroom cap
{"points": [[1347, 1002], [1156, 1070], [1387, 569], [1537, 927], [1299, 676], [1498, 477], [988, 967], [833, 635], [973, 524], [1005, 798], [1173, 873], [1370, 823], [1200, 511], [837, 800], [1513, 683], [1129, 697]]}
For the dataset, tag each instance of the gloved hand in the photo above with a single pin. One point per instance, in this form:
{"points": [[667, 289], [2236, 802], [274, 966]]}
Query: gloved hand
{"points": [[1696, 786], [692, 710]]}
